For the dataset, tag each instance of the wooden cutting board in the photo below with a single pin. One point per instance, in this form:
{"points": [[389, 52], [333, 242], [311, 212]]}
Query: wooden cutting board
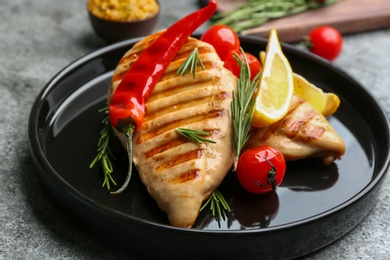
{"points": [[348, 16]]}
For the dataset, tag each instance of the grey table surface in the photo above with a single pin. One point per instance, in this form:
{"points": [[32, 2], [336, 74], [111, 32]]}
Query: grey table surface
{"points": [[39, 38]]}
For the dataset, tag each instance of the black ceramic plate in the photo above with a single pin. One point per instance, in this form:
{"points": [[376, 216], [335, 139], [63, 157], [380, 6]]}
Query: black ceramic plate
{"points": [[314, 206]]}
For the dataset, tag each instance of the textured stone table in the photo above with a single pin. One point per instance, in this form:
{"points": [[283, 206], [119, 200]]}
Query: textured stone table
{"points": [[39, 38]]}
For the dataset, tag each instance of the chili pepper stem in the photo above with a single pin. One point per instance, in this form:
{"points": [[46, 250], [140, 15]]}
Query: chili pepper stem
{"points": [[128, 131]]}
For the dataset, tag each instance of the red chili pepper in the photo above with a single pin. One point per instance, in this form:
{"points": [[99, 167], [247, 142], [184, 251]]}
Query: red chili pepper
{"points": [[127, 105]]}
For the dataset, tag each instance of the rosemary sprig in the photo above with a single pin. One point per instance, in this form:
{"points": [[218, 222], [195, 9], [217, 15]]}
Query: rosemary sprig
{"points": [[258, 12], [105, 154], [216, 200], [242, 106], [191, 63], [195, 136]]}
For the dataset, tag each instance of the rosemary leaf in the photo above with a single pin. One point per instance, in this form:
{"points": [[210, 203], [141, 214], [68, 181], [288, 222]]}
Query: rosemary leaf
{"points": [[195, 136], [104, 153], [218, 205], [190, 64]]}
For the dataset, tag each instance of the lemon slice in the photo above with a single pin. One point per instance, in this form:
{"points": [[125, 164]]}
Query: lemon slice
{"points": [[325, 103], [276, 85]]}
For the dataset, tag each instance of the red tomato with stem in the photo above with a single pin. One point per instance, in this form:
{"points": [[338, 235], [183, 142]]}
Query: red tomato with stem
{"points": [[325, 41], [261, 169], [232, 65], [223, 38]]}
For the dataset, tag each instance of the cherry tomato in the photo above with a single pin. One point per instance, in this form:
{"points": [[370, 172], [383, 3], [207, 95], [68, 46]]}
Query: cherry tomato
{"points": [[326, 42], [223, 38], [232, 65], [261, 169]]}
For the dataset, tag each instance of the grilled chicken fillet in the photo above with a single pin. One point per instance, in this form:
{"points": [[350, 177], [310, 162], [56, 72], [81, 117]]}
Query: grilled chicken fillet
{"points": [[180, 174], [303, 132]]}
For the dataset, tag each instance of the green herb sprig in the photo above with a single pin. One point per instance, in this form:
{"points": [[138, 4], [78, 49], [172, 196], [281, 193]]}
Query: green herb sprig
{"points": [[195, 136], [242, 106], [216, 201], [191, 63], [217, 205], [258, 12], [104, 152]]}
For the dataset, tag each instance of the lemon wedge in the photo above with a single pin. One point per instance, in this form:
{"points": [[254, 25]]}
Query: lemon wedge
{"points": [[276, 88], [325, 103]]}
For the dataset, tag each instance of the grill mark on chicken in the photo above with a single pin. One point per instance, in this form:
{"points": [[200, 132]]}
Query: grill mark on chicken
{"points": [[180, 159], [182, 104], [186, 176], [316, 133], [161, 129], [126, 62], [183, 87], [118, 77], [175, 143], [299, 125], [303, 127], [296, 127], [166, 146]]}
